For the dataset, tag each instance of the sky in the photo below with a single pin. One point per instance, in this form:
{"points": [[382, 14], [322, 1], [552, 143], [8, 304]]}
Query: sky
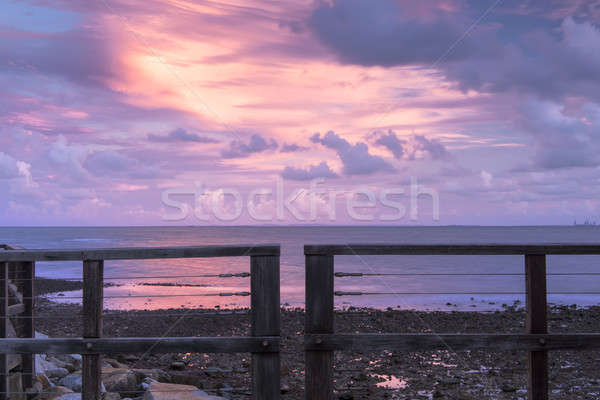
{"points": [[162, 112]]}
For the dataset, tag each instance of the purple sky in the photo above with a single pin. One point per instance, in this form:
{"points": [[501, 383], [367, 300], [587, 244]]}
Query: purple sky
{"points": [[108, 106]]}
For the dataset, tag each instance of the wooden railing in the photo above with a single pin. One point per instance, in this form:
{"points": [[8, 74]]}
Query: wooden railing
{"points": [[321, 341], [265, 315], [16, 284]]}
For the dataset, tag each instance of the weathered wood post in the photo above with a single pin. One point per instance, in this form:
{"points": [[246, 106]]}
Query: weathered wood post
{"points": [[266, 321], [93, 276], [319, 319], [536, 322], [4, 329], [28, 286]]}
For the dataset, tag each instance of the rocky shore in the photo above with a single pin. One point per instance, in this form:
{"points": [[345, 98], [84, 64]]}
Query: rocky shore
{"points": [[381, 375]]}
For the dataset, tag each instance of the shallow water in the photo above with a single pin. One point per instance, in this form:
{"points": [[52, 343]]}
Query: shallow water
{"points": [[451, 292]]}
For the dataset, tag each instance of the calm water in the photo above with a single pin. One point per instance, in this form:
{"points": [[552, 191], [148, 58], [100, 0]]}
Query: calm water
{"points": [[131, 275]]}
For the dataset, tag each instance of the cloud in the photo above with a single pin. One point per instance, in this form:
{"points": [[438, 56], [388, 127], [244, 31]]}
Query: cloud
{"points": [[420, 147], [83, 55], [519, 49], [68, 157], [390, 32], [110, 162], [355, 158], [391, 142], [562, 140], [320, 170], [292, 148], [181, 135], [11, 168], [486, 178], [538, 63], [257, 144], [416, 147]]}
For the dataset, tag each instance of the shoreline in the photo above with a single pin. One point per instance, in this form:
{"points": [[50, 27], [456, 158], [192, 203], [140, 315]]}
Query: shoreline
{"points": [[439, 374]]}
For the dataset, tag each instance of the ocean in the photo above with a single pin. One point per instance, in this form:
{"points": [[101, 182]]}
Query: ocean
{"points": [[151, 284]]}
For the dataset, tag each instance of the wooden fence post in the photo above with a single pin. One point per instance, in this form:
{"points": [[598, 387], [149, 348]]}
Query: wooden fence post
{"points": [[93, 276], [536, 322], [27, 276], [265, 321], [4, 329], [319, 319]]}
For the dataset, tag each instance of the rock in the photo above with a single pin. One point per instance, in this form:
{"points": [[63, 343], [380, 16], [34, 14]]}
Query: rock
{"points": [[145, 385], [177, 366], [156, 374], [72, 381], [111, 396], [43, 380], [285, 388], [69, 396], [42, 364], [15, 385], [115, 364], [53, 393], [169, 391], [57, 373], [73, 359], [129, 358], [119, 380], [508, 388], [56, 363], [188, 378]]}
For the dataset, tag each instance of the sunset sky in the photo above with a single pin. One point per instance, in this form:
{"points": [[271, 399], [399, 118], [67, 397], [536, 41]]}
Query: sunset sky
{"points": [[107, 104]]}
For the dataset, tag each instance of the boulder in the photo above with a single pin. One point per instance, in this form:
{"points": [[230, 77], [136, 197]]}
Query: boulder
{"points": [[53, 393], [57, 373], [119, 380], [56, 363], [43, 380], [169, 391], [72, 381], [156, 374], [69, 396], [73, 359], [15, 387], [115, 364]]}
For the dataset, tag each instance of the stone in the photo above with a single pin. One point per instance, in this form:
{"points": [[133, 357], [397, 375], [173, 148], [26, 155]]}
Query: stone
{"points": [[69, 396], [115, 364], [119, 380], [111, 396], [43, 380], [169, 391], [156, 374], [188, 378], [53, 393], [74, 359], [56, 363], [177, 366], [72, 381], [15, 386], [57, 373]]}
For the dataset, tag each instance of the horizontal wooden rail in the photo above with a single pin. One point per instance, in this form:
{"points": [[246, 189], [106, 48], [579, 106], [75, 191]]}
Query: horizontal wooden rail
{"points": [[455, 342], [451, 249], [265, 344], [139, 253]]}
